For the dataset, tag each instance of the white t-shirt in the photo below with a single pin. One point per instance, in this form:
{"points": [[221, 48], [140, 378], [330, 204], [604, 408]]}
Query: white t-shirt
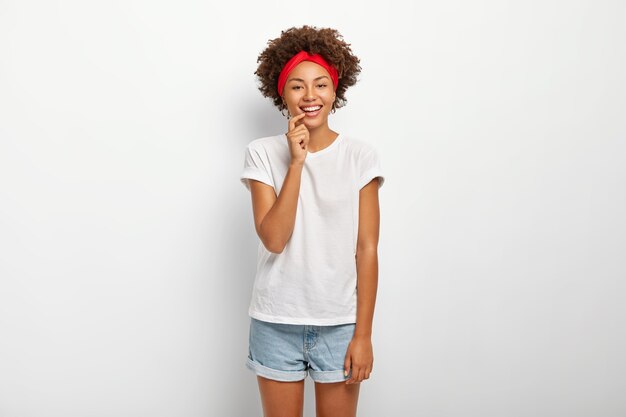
{"points": [[313, 281]]}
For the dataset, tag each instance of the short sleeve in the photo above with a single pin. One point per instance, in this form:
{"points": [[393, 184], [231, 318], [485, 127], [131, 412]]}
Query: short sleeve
{"points": [[370, 169], [256, 167]]}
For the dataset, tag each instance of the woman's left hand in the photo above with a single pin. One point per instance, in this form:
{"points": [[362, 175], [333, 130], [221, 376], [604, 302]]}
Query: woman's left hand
{"points": [[359, 357]]}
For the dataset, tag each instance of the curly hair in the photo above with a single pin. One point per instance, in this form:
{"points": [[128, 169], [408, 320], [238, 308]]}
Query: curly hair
{"points": [[324, 41]]}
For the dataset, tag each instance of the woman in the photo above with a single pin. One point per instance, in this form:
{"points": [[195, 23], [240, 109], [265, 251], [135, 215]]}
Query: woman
{"points": [[315, 204]]}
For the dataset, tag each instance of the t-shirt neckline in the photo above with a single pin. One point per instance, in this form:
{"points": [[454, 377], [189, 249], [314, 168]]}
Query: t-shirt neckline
{"points": [[321, 151]]}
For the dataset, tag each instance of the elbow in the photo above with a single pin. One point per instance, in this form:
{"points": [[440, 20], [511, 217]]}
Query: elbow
{"points": [[274, 247], [271, 242], [370, 249]]}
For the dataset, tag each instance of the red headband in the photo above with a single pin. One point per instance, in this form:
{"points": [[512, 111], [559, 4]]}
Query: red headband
{"points": [[305, 56]]}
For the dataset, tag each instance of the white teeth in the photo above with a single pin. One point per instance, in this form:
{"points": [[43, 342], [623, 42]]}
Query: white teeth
{"points": [[311, 108]]}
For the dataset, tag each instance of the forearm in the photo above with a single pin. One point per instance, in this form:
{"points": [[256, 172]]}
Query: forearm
{"points": [[277, 225], [367, 285]]}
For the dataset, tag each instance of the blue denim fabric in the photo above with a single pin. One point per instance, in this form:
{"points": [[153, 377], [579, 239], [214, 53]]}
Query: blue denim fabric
{"points": [[287, 352]]}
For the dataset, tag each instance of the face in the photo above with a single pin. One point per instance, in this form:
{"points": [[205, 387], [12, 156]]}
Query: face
{"points": [[309, 85]]}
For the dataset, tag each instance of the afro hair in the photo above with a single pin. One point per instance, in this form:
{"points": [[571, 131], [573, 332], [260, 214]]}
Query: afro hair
{"points": [[324, 41]]}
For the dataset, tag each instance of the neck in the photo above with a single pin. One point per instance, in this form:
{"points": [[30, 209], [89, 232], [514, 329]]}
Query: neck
{"points": [[320, 137]]}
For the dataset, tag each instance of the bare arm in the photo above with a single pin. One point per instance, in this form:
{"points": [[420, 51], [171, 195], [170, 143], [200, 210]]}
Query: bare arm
{"points": [[275, 216], [367, 258], [360, 354]]}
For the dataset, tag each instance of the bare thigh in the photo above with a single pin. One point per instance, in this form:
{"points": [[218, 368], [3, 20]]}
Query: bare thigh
{"points": [[336, 399], [281, 399]]}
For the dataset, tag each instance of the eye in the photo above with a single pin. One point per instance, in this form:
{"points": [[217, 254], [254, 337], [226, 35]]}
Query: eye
{"points": [[321, 85], [295, 87]]}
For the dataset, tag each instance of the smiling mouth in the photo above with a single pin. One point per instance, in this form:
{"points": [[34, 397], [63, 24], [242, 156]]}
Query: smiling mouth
{"points": [[311, 109]]}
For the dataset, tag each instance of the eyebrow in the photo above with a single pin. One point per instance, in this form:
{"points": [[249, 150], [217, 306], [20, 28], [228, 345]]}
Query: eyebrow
{"points": [[300, 79]]}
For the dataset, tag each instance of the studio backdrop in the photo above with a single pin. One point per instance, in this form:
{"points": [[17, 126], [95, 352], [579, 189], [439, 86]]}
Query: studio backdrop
{"points": [[127, 242]]}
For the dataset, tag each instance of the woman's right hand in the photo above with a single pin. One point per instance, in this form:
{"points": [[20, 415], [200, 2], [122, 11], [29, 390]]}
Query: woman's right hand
{"points": [[298, 139]]}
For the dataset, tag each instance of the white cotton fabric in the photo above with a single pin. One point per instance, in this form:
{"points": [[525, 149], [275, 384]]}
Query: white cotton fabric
{"points": [[313, 280]]}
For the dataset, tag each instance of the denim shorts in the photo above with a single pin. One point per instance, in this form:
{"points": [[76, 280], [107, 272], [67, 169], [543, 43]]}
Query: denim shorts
{"points": [[287, 352]]}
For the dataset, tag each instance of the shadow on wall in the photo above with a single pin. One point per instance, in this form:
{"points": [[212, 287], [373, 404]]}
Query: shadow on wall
{"points": [[238, 252], [265, 120]]}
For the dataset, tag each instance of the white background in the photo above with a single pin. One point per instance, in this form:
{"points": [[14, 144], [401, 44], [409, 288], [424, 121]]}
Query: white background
{"points": [[127, 245]]}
